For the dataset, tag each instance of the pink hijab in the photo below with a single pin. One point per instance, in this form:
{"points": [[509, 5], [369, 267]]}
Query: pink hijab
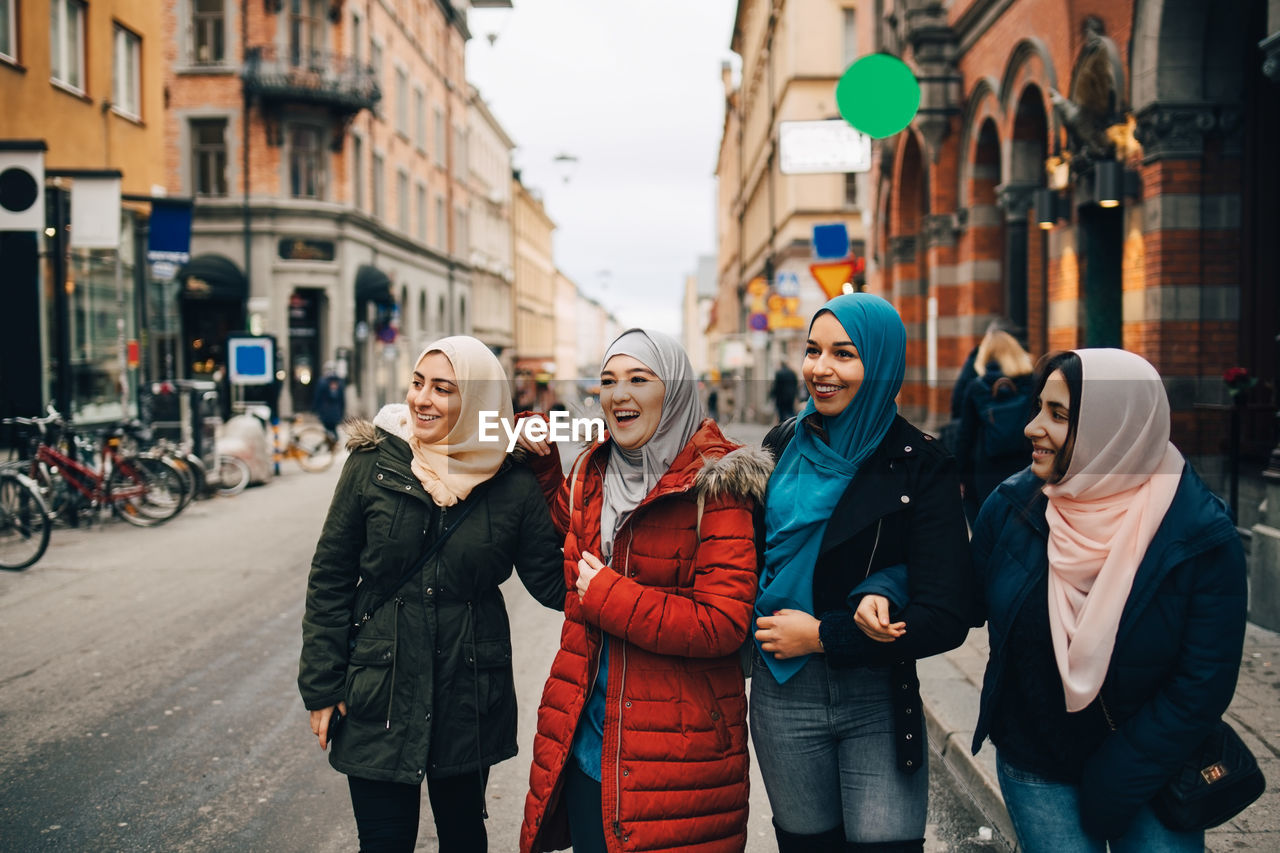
{"points": [[1105, 511]]}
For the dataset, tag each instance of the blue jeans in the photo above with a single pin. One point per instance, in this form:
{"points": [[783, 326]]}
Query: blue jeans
{"points": [[825, 744], [1046, 817]]}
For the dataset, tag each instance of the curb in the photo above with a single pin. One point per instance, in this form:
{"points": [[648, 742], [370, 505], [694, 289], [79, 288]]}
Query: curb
{"points": [[950, 698]]}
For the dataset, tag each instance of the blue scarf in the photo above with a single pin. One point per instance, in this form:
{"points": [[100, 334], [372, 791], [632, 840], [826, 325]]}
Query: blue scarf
{"points": [[812, 475]]}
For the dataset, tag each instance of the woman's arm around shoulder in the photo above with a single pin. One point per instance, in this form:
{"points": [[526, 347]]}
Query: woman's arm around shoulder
{"points": [[539, 552]]}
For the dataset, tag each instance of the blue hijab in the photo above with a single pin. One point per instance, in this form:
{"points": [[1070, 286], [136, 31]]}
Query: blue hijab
{"points": [[812, 475]]}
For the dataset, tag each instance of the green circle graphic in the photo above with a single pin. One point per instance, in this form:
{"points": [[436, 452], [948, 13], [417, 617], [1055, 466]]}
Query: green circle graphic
{"points": [[878, 95]]}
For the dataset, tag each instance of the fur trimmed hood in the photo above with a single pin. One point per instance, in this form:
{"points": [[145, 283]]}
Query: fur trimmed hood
{"points": [[392, 419], [743, 472]]}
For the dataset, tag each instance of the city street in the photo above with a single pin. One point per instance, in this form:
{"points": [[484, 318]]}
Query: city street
{"points": [[148, 692]]}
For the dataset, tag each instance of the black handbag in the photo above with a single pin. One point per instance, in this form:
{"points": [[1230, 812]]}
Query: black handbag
{"points": [[1218, 781], [1215, 783]]}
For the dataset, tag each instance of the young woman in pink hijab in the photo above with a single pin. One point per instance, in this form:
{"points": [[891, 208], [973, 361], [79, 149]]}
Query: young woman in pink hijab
{"points": [[1114, 586]]}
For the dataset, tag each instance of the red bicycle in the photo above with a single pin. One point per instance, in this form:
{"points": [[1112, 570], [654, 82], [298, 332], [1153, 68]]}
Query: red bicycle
{"points": [[142, 491]]}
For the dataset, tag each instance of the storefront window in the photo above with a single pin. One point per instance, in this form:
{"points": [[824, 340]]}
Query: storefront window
{"points": [[102, 320]]}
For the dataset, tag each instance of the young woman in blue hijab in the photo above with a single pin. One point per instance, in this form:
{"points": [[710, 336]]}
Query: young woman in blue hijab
{"points": [[835, 713]]}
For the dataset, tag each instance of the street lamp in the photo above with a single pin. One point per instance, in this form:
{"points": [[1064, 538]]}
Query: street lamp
{"points": [[566, 164]]}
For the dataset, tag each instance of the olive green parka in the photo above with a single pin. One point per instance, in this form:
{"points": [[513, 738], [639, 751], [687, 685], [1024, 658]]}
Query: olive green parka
{"points": [[428, 681]]}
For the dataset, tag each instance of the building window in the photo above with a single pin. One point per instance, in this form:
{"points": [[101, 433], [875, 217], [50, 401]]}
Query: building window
{"points": [[357, 172], [208, 32], [421, 210], [459, 154], [66, 45], [849, 50], [306, 32], [126, 94], [306, 162], [209, 156], [440, 140], [442, 225], [420, 119], [402, 102], [851, 189], [9, 30], [402, 200], [379, 187], [460, 232], [357, 38]]}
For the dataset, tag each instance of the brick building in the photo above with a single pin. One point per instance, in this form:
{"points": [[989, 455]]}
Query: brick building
{"points": [[1095, 173], [324, 143]]}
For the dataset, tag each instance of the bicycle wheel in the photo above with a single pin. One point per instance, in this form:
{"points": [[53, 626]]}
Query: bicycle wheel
{"points": [[168, 485], [231, 475], [139, 497], [24, 522], [315, 448], [174, 464]]}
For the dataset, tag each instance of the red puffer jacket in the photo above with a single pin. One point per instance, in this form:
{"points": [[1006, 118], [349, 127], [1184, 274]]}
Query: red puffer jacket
{"points": [[677, 605]]}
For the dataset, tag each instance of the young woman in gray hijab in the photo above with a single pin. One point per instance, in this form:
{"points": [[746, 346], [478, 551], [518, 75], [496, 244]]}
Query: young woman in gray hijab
{"points": [[641, 741]]}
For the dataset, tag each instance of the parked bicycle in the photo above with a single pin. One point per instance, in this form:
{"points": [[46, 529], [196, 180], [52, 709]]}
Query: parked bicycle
{"points": [[24, 521], [311, 445], [144, 492]]}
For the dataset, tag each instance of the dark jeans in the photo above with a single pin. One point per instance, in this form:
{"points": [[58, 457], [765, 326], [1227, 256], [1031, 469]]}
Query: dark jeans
{"points": [[387, 813], [586, 813]]}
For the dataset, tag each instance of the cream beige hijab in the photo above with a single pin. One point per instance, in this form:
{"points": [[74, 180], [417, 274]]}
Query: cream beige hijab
{"points": [[450, 469], [1105, 511]]}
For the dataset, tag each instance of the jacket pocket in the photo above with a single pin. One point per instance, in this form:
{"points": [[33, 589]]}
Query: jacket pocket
{"points": [[490, 662], [370, 678]]}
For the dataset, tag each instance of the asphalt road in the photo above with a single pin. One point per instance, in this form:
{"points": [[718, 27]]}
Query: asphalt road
{"points": [[148, 700]]}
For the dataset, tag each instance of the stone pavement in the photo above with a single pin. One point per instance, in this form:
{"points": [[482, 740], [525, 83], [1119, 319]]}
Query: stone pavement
{"points": [[950, 686]]}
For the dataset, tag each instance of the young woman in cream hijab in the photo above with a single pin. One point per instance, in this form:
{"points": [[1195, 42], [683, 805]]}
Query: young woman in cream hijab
{"points": [[1115, 602], [424, 685]]}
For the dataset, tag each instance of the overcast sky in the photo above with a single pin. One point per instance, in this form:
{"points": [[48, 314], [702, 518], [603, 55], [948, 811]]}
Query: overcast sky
{"points": [[633, 91]]}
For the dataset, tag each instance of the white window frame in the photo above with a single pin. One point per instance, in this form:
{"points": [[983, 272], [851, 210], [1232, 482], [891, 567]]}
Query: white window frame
{"points": [[441, 141], [378, 185], [197, 151], [357, 172], [9, 12], [402, 100], [442, 225], [60, 71], [421, 231], [402, 200], [321, 163], [420, 118], [126, 77]]}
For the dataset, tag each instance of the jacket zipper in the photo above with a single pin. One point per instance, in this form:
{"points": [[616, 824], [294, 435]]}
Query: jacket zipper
{"points": [[622, 687], [395, 641], [874, 546]]}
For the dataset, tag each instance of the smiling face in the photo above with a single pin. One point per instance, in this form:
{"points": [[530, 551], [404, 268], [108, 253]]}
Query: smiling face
{"points": [[631, 396], [434, 400], [832, 367], [1050, 430]]}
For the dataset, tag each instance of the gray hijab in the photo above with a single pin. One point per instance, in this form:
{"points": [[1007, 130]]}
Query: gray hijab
{"points": [[631, 474]]}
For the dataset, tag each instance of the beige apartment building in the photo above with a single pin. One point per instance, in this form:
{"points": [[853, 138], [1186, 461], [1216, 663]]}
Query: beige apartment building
{"points": [[324, 145], [492, 250], [792, 56], [535, 297]]}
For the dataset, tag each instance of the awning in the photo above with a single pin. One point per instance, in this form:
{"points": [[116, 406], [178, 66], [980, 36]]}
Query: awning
{"points": [[373, 285], [213, 277]]}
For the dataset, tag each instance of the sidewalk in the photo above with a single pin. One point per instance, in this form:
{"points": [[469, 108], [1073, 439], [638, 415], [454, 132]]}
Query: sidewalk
{"points": [[950, 685]]}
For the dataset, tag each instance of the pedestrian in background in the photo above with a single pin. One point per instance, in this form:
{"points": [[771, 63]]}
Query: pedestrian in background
{"points": [[785, 386], [836, 715], [330, 403], [425, 685], [642, 734], [995, 409], [1114, 585]]}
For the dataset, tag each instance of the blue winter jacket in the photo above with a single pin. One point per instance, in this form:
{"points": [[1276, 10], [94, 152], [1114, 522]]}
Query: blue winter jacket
{"points": [[1178, 648]]}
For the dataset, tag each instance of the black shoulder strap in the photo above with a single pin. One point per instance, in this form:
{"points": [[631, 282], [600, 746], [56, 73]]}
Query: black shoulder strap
{"points": [[781, 436], [388, 592]]}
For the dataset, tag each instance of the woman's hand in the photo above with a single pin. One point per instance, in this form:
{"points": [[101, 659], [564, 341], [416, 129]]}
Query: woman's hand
{"points": [[788, 634], [872, 616], [541, 447], [320, 722], [588, 568]]}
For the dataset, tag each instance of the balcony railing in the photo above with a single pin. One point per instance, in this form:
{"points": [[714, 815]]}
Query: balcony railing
{"points": [[310, 76]]}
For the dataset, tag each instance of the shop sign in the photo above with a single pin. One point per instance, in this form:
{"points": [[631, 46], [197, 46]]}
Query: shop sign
{"points": [[302, 249]]}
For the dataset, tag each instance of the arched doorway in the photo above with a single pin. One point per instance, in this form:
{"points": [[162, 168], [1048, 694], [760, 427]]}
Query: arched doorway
{"points": [[909, 260], [1028, 149]]}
